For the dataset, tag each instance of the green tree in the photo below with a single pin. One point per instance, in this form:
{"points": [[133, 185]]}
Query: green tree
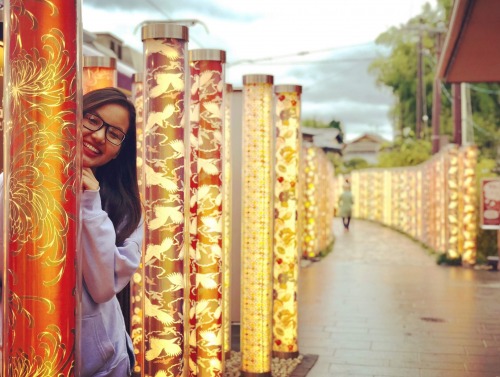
{"points": [[313, 123], [355, 163], [398, 69], [404, 152]]}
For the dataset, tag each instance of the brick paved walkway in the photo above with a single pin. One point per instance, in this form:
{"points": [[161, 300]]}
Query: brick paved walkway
{"points": [[378, 305]]}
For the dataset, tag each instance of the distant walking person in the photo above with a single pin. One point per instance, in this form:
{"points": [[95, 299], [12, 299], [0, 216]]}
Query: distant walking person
{"points": [[346, 201]]}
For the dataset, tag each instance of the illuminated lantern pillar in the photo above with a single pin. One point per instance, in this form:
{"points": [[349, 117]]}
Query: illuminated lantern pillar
{"points": [[207, 74], [418, 203], [469, 204], [136, 286], [1, 92], [452, 203], [165, 138], [227, 215], [99, 72], [42, 187], [355, 189], [387, 198], [257, 226], [310, 240], [286, 200]]}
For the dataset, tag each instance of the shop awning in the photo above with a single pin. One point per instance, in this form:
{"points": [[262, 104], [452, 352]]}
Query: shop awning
{"points": [[471, 51]]}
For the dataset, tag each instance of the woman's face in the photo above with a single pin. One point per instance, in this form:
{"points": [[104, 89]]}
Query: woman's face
{"points": [[97, 150]]}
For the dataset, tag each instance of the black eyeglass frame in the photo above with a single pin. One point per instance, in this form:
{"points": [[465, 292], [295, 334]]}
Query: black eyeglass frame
{"points": [[104, 124]]}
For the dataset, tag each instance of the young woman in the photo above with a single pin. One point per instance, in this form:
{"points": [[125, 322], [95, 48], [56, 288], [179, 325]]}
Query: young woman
{"points": [[112, 230]]}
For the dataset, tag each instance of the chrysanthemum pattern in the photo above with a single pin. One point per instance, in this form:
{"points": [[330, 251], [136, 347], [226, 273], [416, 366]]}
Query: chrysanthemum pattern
{"points": [[43, 186]]}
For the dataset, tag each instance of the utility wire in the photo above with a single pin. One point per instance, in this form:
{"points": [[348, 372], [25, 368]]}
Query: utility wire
{"points": [[483, 90], [300, 53], [317, 62], [169, 18]]}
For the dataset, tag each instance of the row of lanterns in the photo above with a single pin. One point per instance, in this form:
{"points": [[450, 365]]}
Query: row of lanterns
{"points": [[434, 202], [180, 295]]}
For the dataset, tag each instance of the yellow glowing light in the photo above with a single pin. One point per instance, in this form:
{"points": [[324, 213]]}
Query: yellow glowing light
{"points": [[165, 196], [286, 201], [310, 198], [98, 72], [257, 224], [41, 281], [136, 285], [433, 202], [227, 214], [205, 314]]}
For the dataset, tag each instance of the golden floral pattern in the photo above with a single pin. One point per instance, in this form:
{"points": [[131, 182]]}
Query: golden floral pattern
{"points": [[257, 219], [165, 200], [43, 187], [468, 159], [286, 243], [310, 236]]}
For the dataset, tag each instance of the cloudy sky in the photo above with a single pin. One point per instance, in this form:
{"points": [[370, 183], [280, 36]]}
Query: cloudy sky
{"points": [[323, 45]]}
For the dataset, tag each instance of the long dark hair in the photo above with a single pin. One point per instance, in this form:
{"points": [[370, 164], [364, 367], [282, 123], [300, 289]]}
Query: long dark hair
{"points": [[118, 178]]}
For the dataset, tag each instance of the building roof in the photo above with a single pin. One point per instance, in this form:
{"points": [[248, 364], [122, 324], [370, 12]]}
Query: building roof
{"points": [[366, 143], [367, 137], [470, 52], [324, 138]]}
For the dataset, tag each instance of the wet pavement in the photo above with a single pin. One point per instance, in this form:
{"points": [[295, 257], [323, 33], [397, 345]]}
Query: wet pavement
{"points": [[379, 305]]}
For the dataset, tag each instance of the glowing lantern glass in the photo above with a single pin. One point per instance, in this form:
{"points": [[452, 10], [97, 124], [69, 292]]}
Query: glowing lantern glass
{"points": [[42, 186], [136, 285], [227, 214], [165, 196], [286, 201], [257, 225], [310, 236], [206, 258], [98, 72]]}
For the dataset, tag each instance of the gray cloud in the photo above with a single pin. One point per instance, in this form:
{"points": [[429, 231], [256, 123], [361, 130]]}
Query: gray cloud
{"points": [[340, 87], [171, 9]]}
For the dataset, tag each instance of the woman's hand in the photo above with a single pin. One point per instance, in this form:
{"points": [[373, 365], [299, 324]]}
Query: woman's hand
{"points": [[89, 181]]}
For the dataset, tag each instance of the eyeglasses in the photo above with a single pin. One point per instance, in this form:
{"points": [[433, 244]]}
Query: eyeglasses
{"points": [[94, 123]]}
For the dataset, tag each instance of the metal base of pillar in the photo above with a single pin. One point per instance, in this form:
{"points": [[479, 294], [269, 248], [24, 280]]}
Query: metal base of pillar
{"points": [[286, 355]]}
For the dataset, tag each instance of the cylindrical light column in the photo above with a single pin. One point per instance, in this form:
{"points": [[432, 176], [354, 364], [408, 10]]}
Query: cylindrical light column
{"points": [[310, 239], [452, 196], [257, 226], [468, 155], [226, 220], [287, 104], [165, 137], [136, 285], [42, 187], [99, 72], [207, 72], [2, 64]]}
